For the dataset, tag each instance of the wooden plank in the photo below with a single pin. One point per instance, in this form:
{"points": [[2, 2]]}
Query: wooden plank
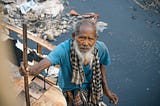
{"points": [[41, 83], [52, 97], [21, 99], [35, 87], [31, 36], [35, 90], [19, 84]]}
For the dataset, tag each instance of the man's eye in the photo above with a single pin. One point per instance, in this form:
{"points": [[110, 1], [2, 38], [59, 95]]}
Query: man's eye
{"points": [[91, 39], [81, 37]]}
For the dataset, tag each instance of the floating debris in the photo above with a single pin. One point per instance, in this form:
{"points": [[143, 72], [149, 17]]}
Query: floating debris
{"points": [[101, 26], [158, 25], [133, 17], [149, 21], [147, 89]]}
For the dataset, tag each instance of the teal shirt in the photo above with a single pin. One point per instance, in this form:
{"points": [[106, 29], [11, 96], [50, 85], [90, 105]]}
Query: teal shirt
{"points": [[61, 56]]}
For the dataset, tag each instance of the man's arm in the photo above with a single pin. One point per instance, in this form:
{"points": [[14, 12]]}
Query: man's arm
{"points": [[35, 69], [113, 97]]}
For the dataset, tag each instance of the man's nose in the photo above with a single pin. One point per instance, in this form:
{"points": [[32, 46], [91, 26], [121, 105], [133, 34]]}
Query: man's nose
{"points": [[85, 42]]}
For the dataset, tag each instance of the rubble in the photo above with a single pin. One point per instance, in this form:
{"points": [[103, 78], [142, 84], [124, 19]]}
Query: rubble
{"points": [[40, 16], [149, 4], [27, 6], [8, 1], [46, 18]]}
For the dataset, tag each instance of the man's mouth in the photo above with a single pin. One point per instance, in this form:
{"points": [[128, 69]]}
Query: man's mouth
{"points": [[84, 48]]}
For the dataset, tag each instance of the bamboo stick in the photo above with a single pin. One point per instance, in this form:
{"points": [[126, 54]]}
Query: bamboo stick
{"points": [[25, 61]]}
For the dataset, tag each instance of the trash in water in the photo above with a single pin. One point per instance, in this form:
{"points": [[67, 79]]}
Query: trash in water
{"points": [[101, 26]]}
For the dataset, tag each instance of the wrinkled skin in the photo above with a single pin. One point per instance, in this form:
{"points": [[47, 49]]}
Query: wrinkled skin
{"points": [[86, 37]]}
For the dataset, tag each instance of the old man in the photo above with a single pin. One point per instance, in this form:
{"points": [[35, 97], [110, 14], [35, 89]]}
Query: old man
{"points": [[83, 60]]}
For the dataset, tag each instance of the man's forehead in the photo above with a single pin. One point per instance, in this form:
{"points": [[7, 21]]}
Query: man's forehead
{"points": [[86, 28]]}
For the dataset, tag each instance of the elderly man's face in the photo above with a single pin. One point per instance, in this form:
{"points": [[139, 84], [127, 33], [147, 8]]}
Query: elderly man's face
{"points": [[86, 38]]}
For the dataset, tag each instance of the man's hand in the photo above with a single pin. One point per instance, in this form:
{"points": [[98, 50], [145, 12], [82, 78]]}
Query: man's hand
{"points": [[112, 97], [35, 69], [22, 71]]}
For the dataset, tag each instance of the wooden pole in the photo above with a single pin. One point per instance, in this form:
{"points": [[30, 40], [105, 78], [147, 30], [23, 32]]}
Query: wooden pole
{"points": [[25, 61], [39, 48]]}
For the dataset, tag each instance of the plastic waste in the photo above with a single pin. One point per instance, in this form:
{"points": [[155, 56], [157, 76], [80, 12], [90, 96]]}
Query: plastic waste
{"points": [[101, 26], [27, 6]]}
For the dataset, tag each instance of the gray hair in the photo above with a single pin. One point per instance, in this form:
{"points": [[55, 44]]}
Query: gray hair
{"points": [[76, 26]]}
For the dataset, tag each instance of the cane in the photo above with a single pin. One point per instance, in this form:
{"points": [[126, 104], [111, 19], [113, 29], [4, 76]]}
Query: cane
{"points": [[25, 63]]}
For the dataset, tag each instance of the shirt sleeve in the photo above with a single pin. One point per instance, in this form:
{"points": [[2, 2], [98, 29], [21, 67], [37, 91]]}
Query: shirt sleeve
{"points": [[103, 53], [55, 55]]}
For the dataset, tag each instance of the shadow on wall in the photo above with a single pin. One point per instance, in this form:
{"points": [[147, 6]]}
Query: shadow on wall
{"points": [[7, 94]]}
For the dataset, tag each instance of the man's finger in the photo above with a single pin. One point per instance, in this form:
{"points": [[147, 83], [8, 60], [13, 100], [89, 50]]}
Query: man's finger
{"points": [[22, 70], [115, 99]]}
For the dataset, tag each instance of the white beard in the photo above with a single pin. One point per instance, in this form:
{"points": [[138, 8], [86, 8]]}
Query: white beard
{"points": [[84, 56]]}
